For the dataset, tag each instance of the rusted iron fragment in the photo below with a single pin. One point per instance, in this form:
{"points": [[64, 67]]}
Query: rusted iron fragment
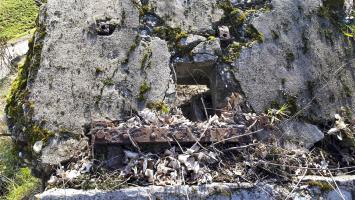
{"points": [[112, 135]]}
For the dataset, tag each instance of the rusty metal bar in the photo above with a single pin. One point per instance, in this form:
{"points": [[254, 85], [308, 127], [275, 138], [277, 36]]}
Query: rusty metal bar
{"points": [[108, 134]]}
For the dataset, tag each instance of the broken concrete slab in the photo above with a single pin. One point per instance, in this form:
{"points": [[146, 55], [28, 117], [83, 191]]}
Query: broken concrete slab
{"points": [[301, 133], [231, 191]]}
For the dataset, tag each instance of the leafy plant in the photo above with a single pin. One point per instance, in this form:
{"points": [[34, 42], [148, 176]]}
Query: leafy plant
{"points": [[278, 114]]}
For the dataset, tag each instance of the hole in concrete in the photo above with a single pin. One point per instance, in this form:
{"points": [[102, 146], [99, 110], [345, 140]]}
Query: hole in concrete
{"points": [[105, 27], [194, 90], [199, 107]]}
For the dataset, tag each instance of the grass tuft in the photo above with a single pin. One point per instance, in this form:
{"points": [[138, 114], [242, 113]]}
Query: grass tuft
{"points": [[17, 18]]}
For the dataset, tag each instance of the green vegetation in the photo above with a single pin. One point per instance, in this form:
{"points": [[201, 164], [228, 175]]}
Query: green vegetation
{"points": [[143, 8], [108, 82], [172, 35], [324, 186], [233, 52], [144, 88], [211, 37], [254, 34], [15, 182], [24, 185], [132, 48], [329, 11], [278, 114], [17, 99], [159, 106], [98, 71], [17, 18], [147, 55]]}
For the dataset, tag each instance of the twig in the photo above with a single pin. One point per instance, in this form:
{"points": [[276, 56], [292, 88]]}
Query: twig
{"points": [[299, 181], [331, 176], [204, 107], [241, 147], [177, 142], [235, 137], [251, 126], [312, 168], [336, 185], [133, 142]]}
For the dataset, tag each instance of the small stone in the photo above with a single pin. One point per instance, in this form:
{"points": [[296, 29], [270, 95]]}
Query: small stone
{"points": [[207, 52], [191, 40], [37, 147], [224, 33], [52, 180], [304, 133]]}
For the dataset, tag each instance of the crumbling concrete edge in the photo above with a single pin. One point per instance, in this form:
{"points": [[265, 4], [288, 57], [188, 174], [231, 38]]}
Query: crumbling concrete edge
{"points": [[209, 191]]}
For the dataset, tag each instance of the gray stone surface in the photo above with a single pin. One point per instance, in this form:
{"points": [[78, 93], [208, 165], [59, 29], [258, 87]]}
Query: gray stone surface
{"points": [[212, 191], [193, 16], [62, 149], [207, 52], [191, 40], [85, 74], [301, 133], [303, 56], [348, 7]]}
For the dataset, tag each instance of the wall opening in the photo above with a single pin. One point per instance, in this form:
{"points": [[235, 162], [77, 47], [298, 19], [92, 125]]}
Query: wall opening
{"points": [[194, 94]]}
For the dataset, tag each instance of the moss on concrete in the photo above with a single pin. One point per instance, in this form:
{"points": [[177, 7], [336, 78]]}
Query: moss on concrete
{"points": [[233, 52], [143, 89], [19, 109], [254, 34], [172, 35], [324, 186], [159, 106]]}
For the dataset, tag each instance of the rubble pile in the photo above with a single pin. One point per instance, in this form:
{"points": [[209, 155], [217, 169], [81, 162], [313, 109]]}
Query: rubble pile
{"points": [[152, 148]]}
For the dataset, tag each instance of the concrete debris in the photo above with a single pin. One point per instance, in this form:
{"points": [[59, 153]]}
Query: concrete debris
{"points": [[209, 191], [302, 133], [37, 147]]}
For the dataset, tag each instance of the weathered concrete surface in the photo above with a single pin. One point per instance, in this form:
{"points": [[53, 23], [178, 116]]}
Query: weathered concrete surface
{"points": [[212, 191], [87, 75], [191, 16], [303, 57], [104, 59]]}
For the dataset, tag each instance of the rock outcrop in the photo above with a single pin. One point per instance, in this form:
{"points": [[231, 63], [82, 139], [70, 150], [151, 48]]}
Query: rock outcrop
{"points": [[92, 60]]}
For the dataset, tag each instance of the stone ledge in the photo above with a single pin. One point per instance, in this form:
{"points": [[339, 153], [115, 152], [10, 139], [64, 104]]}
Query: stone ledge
{"points": [[232, 191]]}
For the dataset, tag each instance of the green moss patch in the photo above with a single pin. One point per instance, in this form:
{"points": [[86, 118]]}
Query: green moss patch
{"points": [[172, 35], [159, 106], [233, 52], [18, 108], [143, 89]]}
